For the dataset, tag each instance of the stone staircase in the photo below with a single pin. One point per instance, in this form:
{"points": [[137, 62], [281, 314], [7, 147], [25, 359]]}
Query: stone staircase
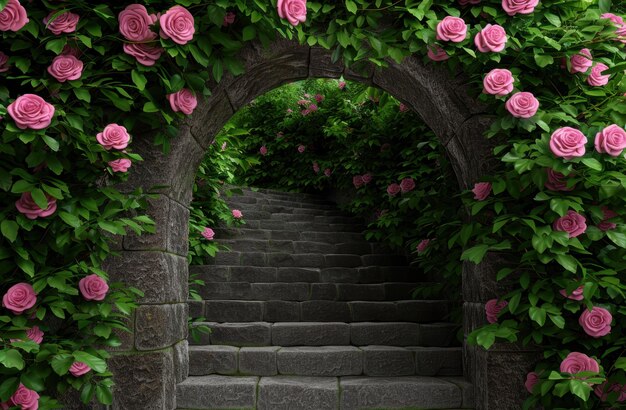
{"points": [[306, 314]]}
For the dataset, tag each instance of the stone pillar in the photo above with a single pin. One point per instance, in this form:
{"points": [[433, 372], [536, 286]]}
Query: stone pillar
{"points": [[497, 374]]}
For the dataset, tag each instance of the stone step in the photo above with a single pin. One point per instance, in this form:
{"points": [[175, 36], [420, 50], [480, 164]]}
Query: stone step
{"points": [[360, 275], [255, 215], [295, 246], [304, 260], [275, 224], [328, 334], [323, 393], [311, 209], [418, 311], [281, 234], [242, 201], [274, 194], [325, 361], [303, 291]]}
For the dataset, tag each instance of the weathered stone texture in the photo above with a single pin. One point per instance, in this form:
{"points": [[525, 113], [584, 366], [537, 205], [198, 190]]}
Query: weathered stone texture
{"points": [[160, 326]]}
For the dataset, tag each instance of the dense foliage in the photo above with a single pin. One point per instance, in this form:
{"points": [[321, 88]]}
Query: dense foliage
{"points": [[80, 78]]}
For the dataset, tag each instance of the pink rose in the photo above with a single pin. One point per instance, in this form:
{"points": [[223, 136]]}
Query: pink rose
{"points": [[492, 308], [303, 102], [229, 19], [31, 111], [491, 38], [522, 105], [178, 24], [357, 181], [113, 137], [498, 81], [93, 287], [63, 23], [120, 165], [327, 172], [605, 224], [596, 78], [35, 334], [19, 298], [617, 20], [208, 233], [184, 101], [573, 223], [27, 206], [292, 10], [263, 150], [312, 108], [4, 62], [577, 294], [66, 67], [135, 22], [403, 108], [393, 189], [597, 322], [512, 7], [13, 16], [611, 140], [289, 110], [603, 390], [237, 214], [301, 148], [567, 143], [25, 398], [481, 190], [407, 185], [316, 168], [319, 98], [144, 53], [77, 369], [437, 53], [451, 29], [581, 62], [421, 247], [341, 85], [367, 178], [556, 181], [531, 380], [576, 362]]}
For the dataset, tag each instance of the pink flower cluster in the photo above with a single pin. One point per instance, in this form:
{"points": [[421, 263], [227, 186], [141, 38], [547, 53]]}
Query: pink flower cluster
{"points": [[577, 362], [568, 142], [208, 233], [596, 322], [184, 101], [93, 287], [492, 308], [481, 190], [78, 369], [13, 16], [360, 180], [423, 245], [263, 150], [26, 205], [23, 397], [573, 223], [294, 11], [237, 214], [406, 185]]}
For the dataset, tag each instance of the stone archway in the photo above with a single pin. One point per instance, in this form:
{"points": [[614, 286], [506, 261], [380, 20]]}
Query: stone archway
{"points": [[153, 359]]}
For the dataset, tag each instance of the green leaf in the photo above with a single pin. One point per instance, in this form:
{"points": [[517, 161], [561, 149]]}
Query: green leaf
{"points": [[486, 339], [97, 364], [537, 314], [71, 220], [12, 359], [61, 363], [592, 163], [139, 79], [51, 142], [475, 254], [617, 237], [104, 395], [9, 229], [8, 387], [553, 19], [249, 32], [567, 261], [351, 6]]}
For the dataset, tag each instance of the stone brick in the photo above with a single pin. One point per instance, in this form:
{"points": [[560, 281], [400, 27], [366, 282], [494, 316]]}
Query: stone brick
{"points": [[226, 258], [312, 247], [323, 291], [252, 274], [310, 275], [302, 393], [281, 311], [310, 334], [280, 291], [233, 311], [159, 326], [320, 361], [302, 260], [398, 392], [144, 380], [196, 308], [348, 291], [241, 334], [205, 360], [254, 259], [340, 275], [438, 361], [161, 276], [210, 273], [422, 311], [181, 360], [399, 291], [258, 361], [340, 260], [438, 334], [388, 334], [127, 339], [217, 392], [387, 361], [355, 248], [226, 290], [373, 311], [325, 311], [285, 235], [467, 390]]}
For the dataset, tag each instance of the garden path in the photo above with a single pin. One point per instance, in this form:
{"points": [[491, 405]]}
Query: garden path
{"points": [[306, 314]]}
